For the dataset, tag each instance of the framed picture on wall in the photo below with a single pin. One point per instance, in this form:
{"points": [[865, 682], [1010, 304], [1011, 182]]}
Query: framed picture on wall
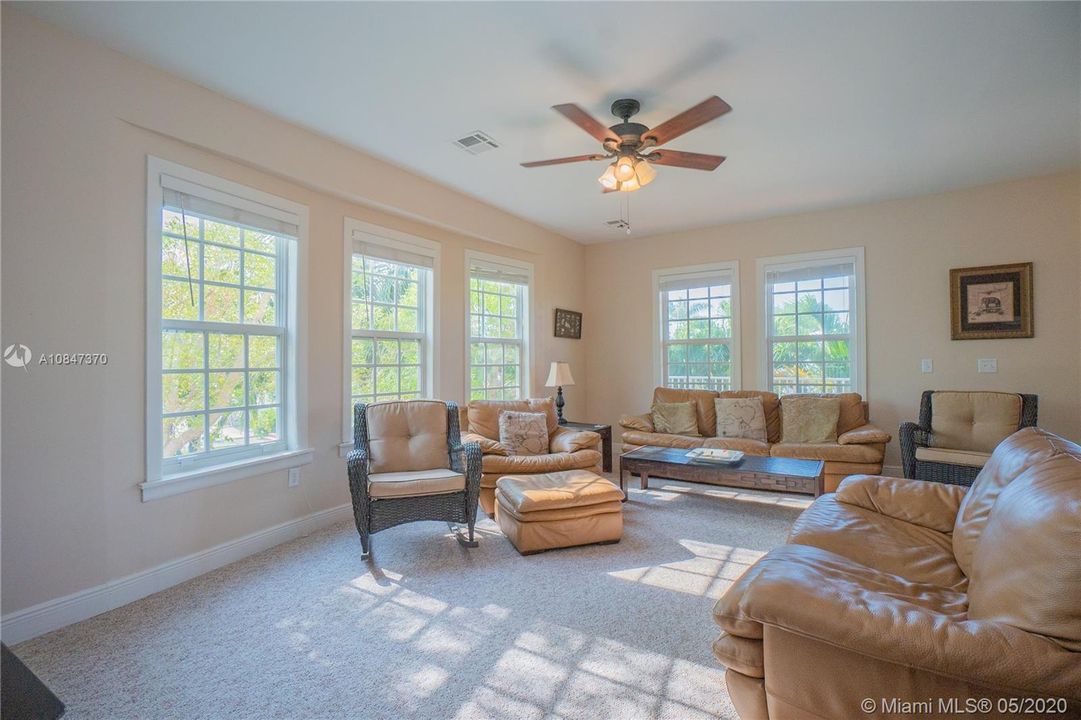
{"points": [[991, 302], [568, 324]]}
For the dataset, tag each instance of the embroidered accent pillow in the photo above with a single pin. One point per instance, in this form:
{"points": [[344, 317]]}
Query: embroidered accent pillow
{"points": [[675, 418], [809, 419], [741, 418], [523, 433]]}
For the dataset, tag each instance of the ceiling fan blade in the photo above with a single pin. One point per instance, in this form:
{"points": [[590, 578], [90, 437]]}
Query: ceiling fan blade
{"points": [[688, 120], [560, 161], [694, 161], [587, 122]]}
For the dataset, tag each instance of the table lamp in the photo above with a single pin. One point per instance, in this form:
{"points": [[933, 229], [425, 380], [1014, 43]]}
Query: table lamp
{"points": [[558, 376]]}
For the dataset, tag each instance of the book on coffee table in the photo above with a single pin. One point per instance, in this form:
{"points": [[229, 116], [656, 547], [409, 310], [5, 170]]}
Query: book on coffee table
{"points": [[715, 455]]}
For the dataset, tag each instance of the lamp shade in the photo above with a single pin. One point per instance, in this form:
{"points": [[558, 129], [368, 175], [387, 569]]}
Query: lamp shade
{"points": [[559, 375]]}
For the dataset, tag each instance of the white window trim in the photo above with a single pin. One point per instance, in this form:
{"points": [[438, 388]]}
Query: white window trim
{"points": [[395, 240], [294, 351], [472, 257], [705, 270], [810, 259]]}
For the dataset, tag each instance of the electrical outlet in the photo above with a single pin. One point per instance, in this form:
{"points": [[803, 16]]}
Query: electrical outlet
{"points": [[926, 365], [294, 477], [987, 365]]}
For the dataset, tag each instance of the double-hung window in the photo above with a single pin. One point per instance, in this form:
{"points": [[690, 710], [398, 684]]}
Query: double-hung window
{"points": [[813, 322], [498, 327], [698, 311], [223, 350], [389, 315]]}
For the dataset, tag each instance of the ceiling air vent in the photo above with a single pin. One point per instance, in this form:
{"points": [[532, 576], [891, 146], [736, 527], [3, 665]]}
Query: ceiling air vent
{"points": [[476, 143]]}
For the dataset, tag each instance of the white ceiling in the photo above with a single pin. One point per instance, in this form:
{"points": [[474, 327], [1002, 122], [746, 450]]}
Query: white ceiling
{"points": [[834, 103]]}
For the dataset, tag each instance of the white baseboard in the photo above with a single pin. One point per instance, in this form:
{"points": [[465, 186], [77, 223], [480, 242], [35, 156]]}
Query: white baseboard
{"points": [[44, 617]]}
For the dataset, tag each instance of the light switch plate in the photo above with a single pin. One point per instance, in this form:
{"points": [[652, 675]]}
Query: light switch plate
{"points": [[987, 365], [926, 365], [294, 477]]}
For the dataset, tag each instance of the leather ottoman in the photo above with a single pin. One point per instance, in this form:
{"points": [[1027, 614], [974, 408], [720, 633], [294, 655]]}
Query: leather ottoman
{"points": [[558, 509]]}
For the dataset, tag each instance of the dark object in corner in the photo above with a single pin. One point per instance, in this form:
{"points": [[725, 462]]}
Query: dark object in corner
{"points": [[23, 696]]}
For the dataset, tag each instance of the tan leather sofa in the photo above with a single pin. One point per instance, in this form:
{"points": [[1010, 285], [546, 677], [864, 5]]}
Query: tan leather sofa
{"points": [[860, 446], [903, 589], [568, 449]]}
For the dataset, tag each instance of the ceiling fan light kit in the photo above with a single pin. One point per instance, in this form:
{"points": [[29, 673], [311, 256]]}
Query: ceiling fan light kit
{"points": [[632, 144]]}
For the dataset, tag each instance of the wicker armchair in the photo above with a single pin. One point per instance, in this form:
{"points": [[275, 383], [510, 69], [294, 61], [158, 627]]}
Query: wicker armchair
{"points": [[408, 463], [951, 447]]}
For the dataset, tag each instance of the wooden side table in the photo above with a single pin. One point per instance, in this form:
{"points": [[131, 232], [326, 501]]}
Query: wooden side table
{"points": [[605, 431]]}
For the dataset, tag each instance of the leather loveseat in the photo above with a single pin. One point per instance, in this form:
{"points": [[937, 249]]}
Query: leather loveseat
{"points": [[567, 449], [895, 591], [860, 446]]}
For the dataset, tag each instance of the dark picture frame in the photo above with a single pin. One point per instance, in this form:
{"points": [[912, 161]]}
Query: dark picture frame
{"points": [[568, 324], [991, 302]]}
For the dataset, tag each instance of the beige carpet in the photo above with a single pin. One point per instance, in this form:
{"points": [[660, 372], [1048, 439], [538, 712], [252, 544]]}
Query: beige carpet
{"points": [[429, 629]]}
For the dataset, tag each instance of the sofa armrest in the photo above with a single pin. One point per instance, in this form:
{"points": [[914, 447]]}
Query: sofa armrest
{"points": [[487, 445], [864, 435], [641, 423], [818, 595], [930, 505], [567, 440]]}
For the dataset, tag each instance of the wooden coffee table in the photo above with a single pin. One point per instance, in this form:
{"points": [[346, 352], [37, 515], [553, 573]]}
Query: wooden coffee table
{"points": [[753, 471]]}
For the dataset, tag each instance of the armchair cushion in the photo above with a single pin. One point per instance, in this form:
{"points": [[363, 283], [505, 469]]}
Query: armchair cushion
{"points": [[973, 420], [484, 414], [897, 547], [414, 483], [865, 434], [523, 433], [533, 464], [566, 440], [929, 505], [642, 423], [969, 458], [407, 436]]}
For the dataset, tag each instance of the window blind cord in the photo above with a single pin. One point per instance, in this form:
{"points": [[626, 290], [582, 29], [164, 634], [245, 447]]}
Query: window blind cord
{"points": [[187, 255]]}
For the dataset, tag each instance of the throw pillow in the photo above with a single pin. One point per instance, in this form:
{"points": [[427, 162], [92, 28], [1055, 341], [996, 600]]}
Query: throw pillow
{"points": [[524, 433], [675, 418], [809, 419], [741, 418]]}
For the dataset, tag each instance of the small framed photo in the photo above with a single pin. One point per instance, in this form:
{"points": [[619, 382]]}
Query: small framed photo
{"points": [[568, 324], [991, 302]]}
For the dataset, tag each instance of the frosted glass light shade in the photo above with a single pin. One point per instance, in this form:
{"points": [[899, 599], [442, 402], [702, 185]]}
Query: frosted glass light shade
{"points": [[625, 168], [608, 179], [645, 173]]}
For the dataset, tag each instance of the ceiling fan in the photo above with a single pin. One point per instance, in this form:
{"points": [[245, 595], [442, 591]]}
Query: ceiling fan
{"points": [[632, 144]]}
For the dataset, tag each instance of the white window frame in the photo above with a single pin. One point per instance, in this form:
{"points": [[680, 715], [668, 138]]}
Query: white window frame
{"points": [[475, 258], [227, 466], [360, 231], [660, 312], [857, 316]]}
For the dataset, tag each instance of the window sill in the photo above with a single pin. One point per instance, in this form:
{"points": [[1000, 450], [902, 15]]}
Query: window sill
{"points": [[220, 474]]}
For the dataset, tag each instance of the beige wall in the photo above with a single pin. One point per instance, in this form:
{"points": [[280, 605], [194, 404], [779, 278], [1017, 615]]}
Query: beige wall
{"points": [[78, 123], [910, 246]]}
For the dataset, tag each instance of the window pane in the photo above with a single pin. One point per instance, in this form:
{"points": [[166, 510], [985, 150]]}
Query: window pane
{"points": [[410, 352], [784, 325], [176, 261], [226, 351], [784, 303], [222, 303], [263, 351], [263, 388], [835, 300], [226, 429], [177, 302], [255, 240], [263, 425], [386, 380], [835, 323], [260, 307], [170, 222], [226, 389], [361, 316], [363, 351], [181, 350], [363, 381], [221, 233], [221, 264], [259, 271], [407, 320], [410, 379], [182, 435], [386, 352], [181, 392], [784, 352]]}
